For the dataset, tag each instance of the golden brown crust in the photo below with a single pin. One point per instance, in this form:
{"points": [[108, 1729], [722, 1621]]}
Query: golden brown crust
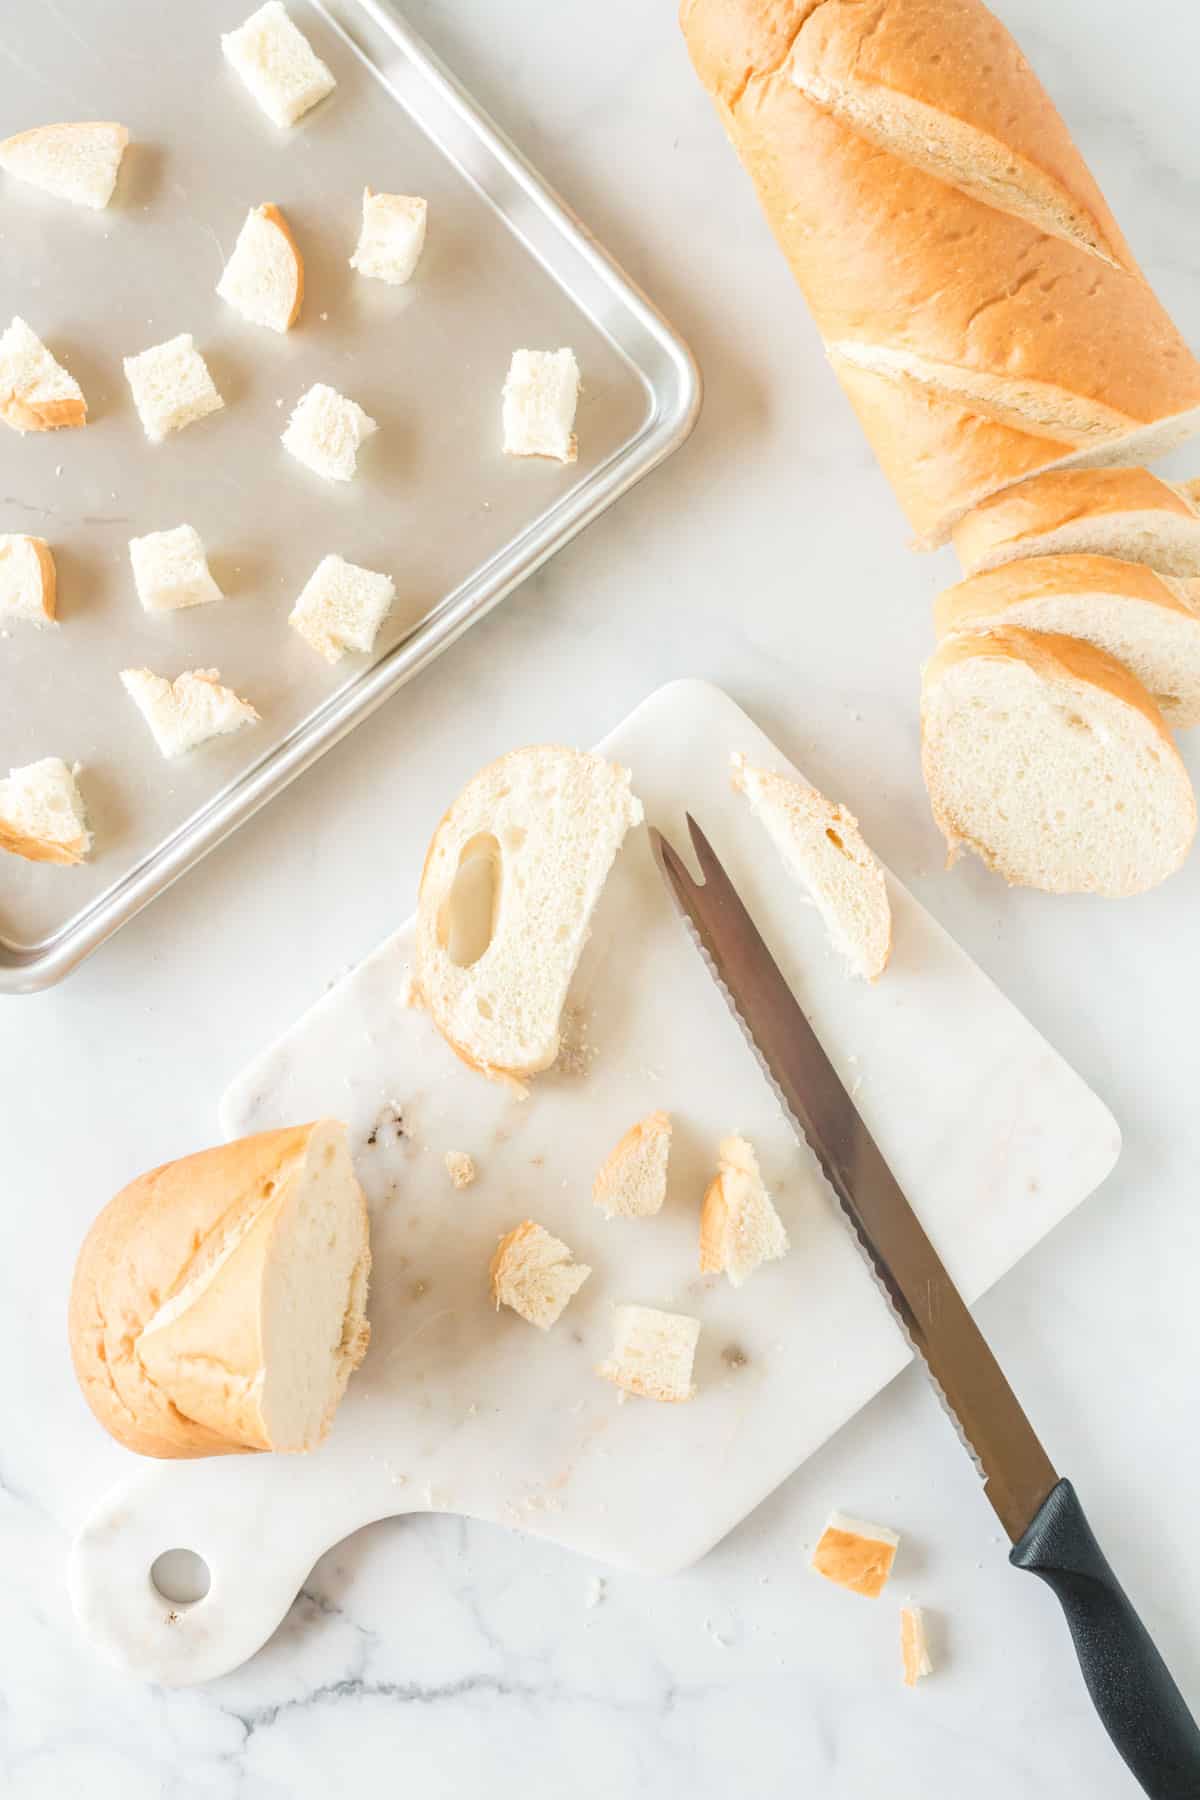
{"points": [[39, 850], [890, 254], [981, 600], [48, 415], [271, 212], [157, 1234], [714, 1223], [497, 1268], [1057, 498], [854, 1561]]}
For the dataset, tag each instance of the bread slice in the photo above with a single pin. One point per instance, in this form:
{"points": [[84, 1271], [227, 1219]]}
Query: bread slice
{"points": [[171, 386], [325, 431], [739, 1227], [341, 607], [855, 1554], [914, 1645], [264, 277], [822, 847], [534, 1274], [187, 711], [392, 236], [170, 570], [277, 64], [218, 1302], [631, 1182], [42, 816], [28, 582], [73, 162], [653, 1353], [1142, 618], [1128, 513], [1051, 761], [540, 397], [510, 883], [36, 393]]}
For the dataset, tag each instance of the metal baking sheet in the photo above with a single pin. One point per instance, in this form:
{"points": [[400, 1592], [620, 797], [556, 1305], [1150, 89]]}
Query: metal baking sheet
{"points": [[436, 504]]}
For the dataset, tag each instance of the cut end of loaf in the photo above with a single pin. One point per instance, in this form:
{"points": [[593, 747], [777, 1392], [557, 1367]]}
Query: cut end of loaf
{"points": [[1048, 759]]}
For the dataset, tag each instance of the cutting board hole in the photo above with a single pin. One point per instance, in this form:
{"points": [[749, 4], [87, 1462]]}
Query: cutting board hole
{"points": [[180, 1576]]}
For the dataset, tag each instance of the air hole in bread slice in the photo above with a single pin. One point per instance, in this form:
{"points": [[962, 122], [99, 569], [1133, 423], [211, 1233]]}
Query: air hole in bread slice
{"points": [[467, 922]]}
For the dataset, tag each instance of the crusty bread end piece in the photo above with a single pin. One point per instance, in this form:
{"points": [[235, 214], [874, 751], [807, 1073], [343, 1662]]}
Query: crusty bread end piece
{"points": [[42, 815], [653, 1353], [171, 386], [341, 607], [914, 1645], [855, 1555], [392, 236], [540, 397], [187, 711], [510, 883], [1051, 761], [264, 277], [218, 1302], [170, 570], [73, 162], [739, 1227], [277, 64], [631, 1182], [1128, 513], [1144, 619], [28, 582], [533, 1273], [36, 393], [822, 847]]}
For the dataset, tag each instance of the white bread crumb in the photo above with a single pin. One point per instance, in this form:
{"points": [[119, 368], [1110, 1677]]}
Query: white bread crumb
{"points": [[170, 570], [277, 64], [392, 236], [460, 1168], [914, 1645], [540, 396], [187, 711], [341, 607], [325, 431]]}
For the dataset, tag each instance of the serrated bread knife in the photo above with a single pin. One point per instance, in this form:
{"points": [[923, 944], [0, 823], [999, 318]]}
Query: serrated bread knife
{"points": [[1131, 1687]]}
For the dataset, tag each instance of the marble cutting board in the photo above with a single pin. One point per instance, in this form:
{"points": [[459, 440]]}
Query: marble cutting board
{"points": [[456, 1407]]}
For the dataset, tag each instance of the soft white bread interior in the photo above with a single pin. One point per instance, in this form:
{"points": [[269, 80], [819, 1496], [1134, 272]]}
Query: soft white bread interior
{"points": [[171, 386], [460, 1168], [1128, 513], [73, 162], [822, 847], [975, 295], [914, 1645], [855, 1554], [653, 1353], [631, 1182], [187, 711], [218, 1302], [277, 64], [28, 582], [739, 1227], [392, 236], [540, 397], [1051, 761], [509, 886], [341, 607], [170, 570], [42, 815], [36, 393], [325, 431], [1142, 618], [533, 1273], [264, 277]]}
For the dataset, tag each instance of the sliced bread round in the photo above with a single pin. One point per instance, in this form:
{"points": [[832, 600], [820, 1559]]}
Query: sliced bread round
{"points": [[1142, 618], [510, 883], [1109, 512], [1050, 760]]}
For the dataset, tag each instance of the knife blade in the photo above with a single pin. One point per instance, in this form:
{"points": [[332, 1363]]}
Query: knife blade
{"points": [[1131, 1687]]}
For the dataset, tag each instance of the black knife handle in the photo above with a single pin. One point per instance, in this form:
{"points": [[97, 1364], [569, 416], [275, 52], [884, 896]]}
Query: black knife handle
{"points": [[1131, 1687]]}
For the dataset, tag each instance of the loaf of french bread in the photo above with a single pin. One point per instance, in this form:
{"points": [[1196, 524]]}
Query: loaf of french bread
{"points": [[975, 294]]}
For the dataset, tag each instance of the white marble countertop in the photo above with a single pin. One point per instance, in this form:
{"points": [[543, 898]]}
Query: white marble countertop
{"points": [[443, 1659]]}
